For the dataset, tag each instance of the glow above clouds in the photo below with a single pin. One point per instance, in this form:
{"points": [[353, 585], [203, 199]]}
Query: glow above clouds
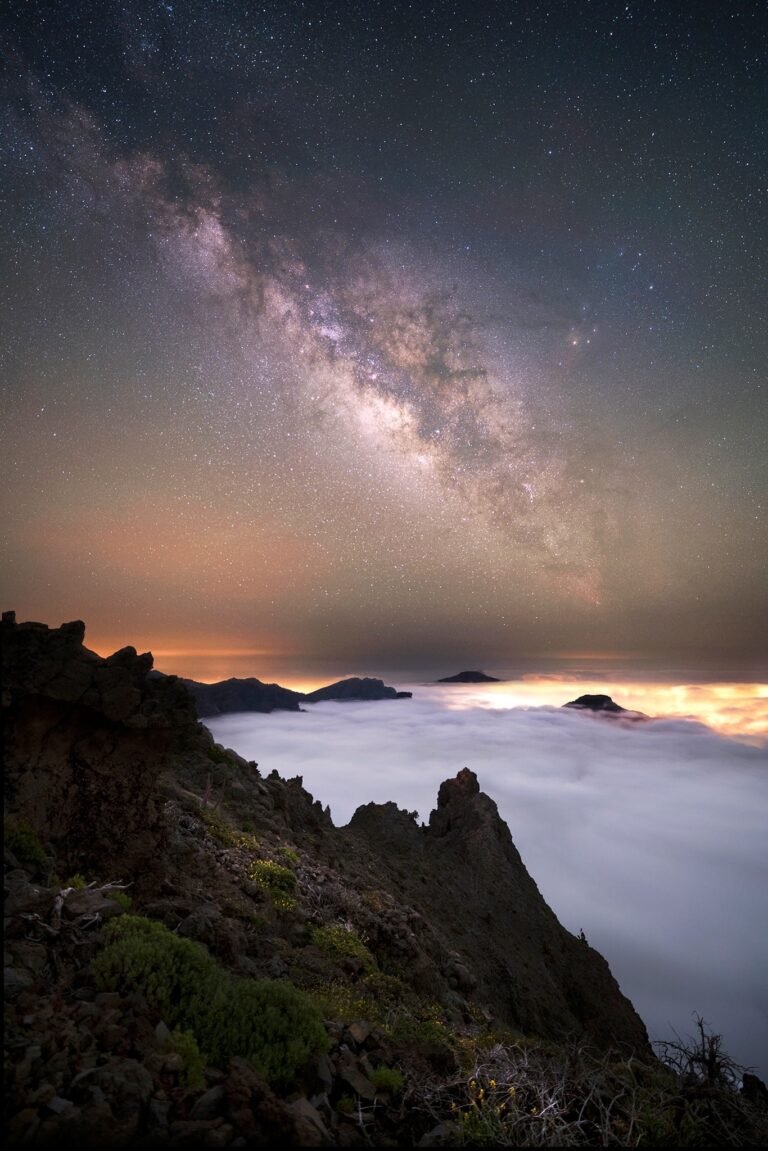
{"points": [[736, 709]]}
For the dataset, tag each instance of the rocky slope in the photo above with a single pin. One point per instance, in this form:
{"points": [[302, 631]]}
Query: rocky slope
{"points": [[399, 954]]}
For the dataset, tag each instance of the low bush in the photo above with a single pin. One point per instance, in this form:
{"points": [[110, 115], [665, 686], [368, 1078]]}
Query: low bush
{"points": [[185, 1045], [121, 898], [78, 882], [217, 754], [272, 1024], [218, 828], [340, 942], [23, 841], [388, 1079], [389, 990], [278, 881], [346, 1001]]}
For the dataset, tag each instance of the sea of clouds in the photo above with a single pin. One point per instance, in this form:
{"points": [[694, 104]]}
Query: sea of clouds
{"points": [[650, 837]]}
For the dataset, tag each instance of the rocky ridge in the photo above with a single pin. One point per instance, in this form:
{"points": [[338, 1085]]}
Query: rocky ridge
{"points": [[234, 695]]}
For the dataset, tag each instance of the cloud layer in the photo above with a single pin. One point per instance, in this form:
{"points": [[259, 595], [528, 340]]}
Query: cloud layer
{"points": [[650, 838]]}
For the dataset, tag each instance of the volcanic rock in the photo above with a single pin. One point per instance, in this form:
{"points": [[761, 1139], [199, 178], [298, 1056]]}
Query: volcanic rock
{"points": [[469, 677]]}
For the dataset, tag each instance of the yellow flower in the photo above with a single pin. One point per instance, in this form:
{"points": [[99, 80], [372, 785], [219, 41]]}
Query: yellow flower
{"points": [[511, 1091], [492, 1082]]}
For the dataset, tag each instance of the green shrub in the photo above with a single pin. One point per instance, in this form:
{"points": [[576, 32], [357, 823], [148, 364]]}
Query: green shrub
{"points": [[224, 833], [280, 882], [247, 841], [122, 899], [78, 882], [218, 828], [339, 942], [218, 755], [388, 989], [178, 977], [185, 1045], [273, 1025], [429, 1032], [24, 842], [346, 1001], [289, 855], [388, 1079]]}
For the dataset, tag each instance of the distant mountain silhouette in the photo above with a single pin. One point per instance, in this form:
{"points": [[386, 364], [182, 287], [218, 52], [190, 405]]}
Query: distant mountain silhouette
{"points": [[470, 677], [233, 695], [356, 689], [250, 694]]}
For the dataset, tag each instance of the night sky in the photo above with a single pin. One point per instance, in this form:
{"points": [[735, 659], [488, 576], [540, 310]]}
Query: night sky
{"points": [[388, 333]]}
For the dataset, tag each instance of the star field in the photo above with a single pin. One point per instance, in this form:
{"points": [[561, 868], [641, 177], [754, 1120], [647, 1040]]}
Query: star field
{"points": [[397, 332]]}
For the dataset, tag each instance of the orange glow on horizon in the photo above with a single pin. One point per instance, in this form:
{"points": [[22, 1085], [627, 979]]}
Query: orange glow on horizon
{"points": [[739, 710], [200, 659], [734, 709]]}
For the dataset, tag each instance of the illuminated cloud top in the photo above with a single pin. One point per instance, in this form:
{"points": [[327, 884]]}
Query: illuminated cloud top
{"points": [[386, 333]]}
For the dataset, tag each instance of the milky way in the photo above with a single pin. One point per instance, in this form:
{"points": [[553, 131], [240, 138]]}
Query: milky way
{"points": [[379, 333]]}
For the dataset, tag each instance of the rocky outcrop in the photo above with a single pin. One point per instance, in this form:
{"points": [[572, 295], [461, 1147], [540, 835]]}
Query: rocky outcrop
{"points": [[470, 677], [356, 689], [595, 703], [464, 874], [603, 705], [85, 740], [232, 695]]}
